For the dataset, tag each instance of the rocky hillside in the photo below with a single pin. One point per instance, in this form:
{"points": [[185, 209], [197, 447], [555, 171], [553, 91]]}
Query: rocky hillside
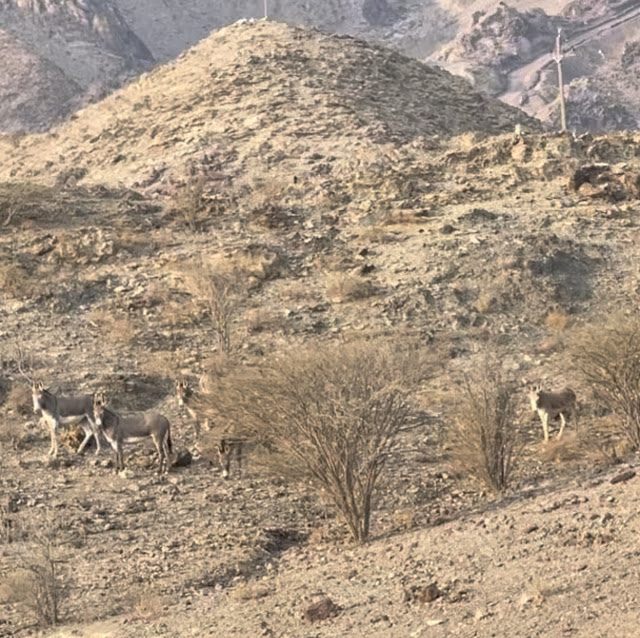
{"points": [[256, 94]]}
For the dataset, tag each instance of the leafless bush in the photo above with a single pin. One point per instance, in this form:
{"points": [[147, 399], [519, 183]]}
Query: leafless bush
{"points": [[15, 280], [37, 582], [190, 204], [219, 290], [608, 358], [19, 399], [483, 436], [331, 414]]}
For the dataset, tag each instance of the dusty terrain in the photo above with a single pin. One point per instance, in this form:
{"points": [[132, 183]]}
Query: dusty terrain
{"points": [[471, 243]]}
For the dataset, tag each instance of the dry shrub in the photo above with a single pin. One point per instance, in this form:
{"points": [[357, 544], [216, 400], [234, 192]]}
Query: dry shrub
{"points": [[557, 321], [190, 204], [25, 200], [342, 287], [144, 602], [263, 320], [37, 583], [331, 414], [220, 291], [483, 436], [375, 234], [608, 358], [15, 281], [19, 400], [118, 328]]}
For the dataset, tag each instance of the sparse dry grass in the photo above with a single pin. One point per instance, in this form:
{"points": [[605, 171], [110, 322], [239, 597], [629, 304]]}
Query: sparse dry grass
{"points": [[25, 200], [113, 326], [263, 320], [344, 287]]}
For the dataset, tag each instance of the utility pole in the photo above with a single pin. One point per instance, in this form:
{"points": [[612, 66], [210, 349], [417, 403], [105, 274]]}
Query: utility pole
{"points": [[266, 9], [558, 57]]}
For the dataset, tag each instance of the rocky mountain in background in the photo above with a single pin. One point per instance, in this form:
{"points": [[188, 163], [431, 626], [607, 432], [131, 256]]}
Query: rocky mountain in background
{"points": [[59, 52], [504, 49], [33, 91], [262, 93], [507, 53]]}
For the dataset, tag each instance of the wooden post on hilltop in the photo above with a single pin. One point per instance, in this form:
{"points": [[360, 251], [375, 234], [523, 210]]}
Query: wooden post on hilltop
{"points": [[266, 9], [558, 57]]}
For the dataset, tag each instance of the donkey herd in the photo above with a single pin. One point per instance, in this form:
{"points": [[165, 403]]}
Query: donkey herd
{"points": [[91, 412]]}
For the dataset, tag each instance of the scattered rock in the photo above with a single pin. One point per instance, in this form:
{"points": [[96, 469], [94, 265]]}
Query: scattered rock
{"points": [[321, 610], [623, 476], [184, 459]]}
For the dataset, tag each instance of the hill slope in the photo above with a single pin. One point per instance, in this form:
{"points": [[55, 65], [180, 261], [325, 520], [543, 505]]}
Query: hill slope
{"points": [[259, 90], [33, 92]]}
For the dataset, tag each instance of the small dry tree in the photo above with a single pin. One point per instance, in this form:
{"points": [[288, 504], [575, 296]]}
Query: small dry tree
{"points": [[484, 436], [190, 204], [38, 581], [220, 292], [330, 414], [608, 359]]}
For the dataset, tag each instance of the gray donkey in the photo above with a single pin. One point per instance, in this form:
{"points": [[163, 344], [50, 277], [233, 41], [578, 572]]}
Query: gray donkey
{"points": [[57, 410], [119, 430]]}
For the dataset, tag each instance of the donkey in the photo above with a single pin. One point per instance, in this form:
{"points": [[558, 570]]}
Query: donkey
{"points": [[119, 430], [227, 447], [192, 402], [73, 409], [550, 405]]}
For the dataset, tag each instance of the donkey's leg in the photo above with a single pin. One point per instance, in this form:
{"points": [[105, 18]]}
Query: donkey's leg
{"points": [[88, 433], [545, 425], [563, 423]]}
